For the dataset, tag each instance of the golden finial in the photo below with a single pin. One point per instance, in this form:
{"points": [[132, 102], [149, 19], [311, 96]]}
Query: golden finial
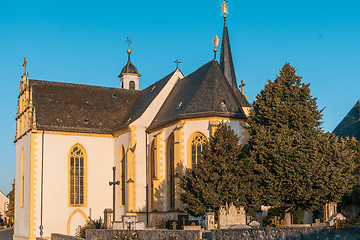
{"points": [[215, 42], [224, 9]]}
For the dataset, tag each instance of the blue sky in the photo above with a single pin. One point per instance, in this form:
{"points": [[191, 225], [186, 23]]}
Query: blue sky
{"points": [[83, 42]]}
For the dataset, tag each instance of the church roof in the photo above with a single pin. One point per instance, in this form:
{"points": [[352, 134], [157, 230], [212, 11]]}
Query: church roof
{"points": [[205, 92], [350, 125], [80, 108], [144, 100]]}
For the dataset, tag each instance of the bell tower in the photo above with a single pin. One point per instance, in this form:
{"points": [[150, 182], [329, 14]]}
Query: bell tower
{"points": [[129, 76]]}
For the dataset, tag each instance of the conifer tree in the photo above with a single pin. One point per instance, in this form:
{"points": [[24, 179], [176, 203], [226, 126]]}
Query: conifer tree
{"points": [[10, 212], [301, 167], [216, 180]]}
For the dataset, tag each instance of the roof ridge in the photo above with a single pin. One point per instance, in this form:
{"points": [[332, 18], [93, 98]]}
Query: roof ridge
{"points": [[78, 84]]}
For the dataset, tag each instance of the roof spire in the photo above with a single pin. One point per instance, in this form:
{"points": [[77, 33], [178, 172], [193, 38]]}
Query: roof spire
{"points": [[226, 62]]}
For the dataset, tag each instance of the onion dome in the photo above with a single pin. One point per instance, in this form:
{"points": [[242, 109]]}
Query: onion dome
{"points": [[129, 68]]}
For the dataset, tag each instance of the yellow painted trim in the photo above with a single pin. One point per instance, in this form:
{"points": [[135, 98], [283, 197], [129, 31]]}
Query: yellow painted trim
{"points": [[161, 169], [85, 176], [178, 161], [121, 132], [70, 217], [131, 171], [121, 159], [130, 74], [190, 139], [22, 180], [32, 211], [17, 236], [76, 134], [193, 119]]}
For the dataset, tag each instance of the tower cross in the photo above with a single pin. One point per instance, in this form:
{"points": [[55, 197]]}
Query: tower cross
{"points": [[114, 183], [129, 41], [177, 63], [242, 85]]}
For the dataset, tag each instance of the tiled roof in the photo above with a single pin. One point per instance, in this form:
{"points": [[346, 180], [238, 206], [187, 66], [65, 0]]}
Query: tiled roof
{"points": [[350, 125], [205, 92], [144, 100], [80, 108]]}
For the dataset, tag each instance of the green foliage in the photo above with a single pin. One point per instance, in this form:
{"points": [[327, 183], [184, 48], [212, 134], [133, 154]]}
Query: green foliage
{"points": [[220, 177], [91, 224], [10, 212], [299, 167], [163, 223]]}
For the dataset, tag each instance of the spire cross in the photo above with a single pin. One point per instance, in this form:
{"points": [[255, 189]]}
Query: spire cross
{"points": [[242, 85], [24, 66], [129, 41], [177, 63]]}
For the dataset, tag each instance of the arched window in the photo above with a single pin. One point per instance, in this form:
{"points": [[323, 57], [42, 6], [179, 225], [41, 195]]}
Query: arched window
{"points": [[131, 85], [171, 173], [197, 142], [122, 168], [152, 172], [77, 176], [22, 179]]}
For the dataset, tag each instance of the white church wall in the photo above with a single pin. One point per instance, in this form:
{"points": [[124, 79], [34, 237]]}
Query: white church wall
{"points": [[22, 214], [142, 143], [58, 216]]}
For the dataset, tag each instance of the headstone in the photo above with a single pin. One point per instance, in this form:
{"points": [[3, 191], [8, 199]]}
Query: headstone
{"points": [[231, 216], [335, 217], [107, 218], [254, 224], [129, 222], [210, 220], [287, 218], [329, 209]]}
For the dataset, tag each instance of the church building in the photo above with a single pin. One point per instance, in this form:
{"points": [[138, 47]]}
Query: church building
{"points": [[69, 137]]}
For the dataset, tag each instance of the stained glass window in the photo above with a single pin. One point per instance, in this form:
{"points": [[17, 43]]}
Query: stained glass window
{"points": [[197, 144], [77, 176]]}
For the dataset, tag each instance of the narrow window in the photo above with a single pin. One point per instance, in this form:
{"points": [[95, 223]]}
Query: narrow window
{"points": [[77, 173], [153, 174], [197, 143], [122, 174], [131, 85], [22, 179], [171, 172]]}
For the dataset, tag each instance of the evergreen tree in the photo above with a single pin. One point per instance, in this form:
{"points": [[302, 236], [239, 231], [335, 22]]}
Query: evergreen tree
{"points": [[300, 166], [216, 180]]}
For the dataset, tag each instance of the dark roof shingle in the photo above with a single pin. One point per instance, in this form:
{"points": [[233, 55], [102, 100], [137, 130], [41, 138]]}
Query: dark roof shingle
{"points": [[80, 108], [205, 92]]}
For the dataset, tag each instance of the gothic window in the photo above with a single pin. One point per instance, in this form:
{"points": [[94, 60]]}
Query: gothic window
{"points": [[197, 142], [171, 172], [122, 168], [77, 176], [152, 171], [131, 85], [22, 179]]}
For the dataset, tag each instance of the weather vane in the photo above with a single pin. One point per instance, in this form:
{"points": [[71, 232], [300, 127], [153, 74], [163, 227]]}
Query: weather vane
{"points": [[224, 8], [129, 41]]}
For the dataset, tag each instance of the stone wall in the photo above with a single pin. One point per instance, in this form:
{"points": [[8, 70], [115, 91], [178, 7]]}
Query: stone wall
{"points": [[145, 234], [289, 233], [56, 236]]}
